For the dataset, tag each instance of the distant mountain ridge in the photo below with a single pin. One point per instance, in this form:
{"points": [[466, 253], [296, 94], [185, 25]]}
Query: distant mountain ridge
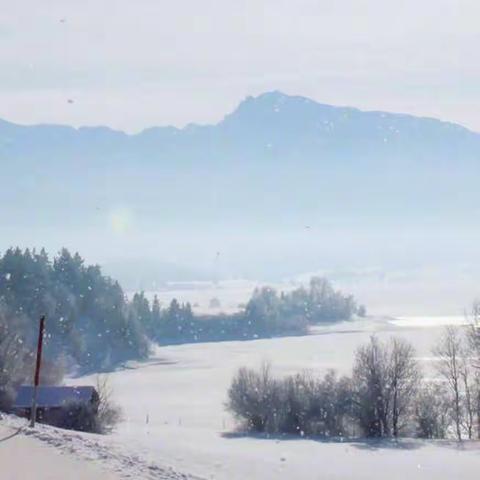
{"points": [[265, 101], [299, 121]]}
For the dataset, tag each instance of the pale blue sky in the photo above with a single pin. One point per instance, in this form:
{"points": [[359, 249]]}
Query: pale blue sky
{"points": [[131, 64]]}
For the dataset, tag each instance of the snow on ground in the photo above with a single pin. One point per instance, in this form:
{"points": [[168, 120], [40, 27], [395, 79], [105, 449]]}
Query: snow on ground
{"points": [[176, 426], [47, 453], [24, 457], [175, 416]]}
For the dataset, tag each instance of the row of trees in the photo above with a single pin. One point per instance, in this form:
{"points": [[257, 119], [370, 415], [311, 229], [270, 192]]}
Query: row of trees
{"points": [[385, 396], [318, 303], [266, 313]]}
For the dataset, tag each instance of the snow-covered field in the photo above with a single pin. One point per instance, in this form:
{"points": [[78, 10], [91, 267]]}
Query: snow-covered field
{"points": [[175, 416]]}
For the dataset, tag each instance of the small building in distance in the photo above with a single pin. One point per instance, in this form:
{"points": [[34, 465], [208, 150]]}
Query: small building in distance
{"points": [[54, 401]]}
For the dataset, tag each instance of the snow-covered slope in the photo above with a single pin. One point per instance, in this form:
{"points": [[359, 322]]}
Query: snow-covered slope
{"points": [[47, 453], [24, 457]]}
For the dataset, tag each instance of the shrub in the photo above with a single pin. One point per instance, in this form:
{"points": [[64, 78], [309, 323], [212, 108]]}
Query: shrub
{"points": [[254, 398], [432, 412], [332, 406], [297, 404], [297, 397]]}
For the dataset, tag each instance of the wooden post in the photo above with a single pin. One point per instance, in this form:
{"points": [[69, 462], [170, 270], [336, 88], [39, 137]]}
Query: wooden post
{"points": [[36, 380]]}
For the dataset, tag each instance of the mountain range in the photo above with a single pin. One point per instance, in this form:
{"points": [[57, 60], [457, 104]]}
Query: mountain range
{"points": [[271, 170]]}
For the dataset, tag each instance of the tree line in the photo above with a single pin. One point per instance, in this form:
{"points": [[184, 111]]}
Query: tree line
{"points": [[386, 395], [267, 313], [88, 316]]}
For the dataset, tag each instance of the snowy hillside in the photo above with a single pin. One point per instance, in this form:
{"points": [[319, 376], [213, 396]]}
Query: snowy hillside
{"points": [[83, 456]]}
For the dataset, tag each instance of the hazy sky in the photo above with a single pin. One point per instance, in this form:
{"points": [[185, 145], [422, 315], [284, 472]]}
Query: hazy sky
{"points": [[135, 63]]}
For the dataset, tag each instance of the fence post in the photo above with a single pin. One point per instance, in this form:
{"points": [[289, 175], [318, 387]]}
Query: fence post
{"points": [[36, 380]]}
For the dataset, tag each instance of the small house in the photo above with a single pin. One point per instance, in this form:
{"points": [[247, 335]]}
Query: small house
{"points": [[52, 401]]}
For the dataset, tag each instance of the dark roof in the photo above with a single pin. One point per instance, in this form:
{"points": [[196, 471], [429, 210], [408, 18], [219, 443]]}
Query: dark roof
{"points": [[54, 396]]}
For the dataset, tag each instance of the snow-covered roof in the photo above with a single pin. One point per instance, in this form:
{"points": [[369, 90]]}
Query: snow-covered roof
{"points": [[50, 396]]}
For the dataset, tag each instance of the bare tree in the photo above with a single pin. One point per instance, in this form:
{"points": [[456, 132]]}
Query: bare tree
{"points": [[299, 403], [474, 333], [476, 399], [449, 366], [370, 383], [108, 413], [17, 359], [468, 386], [385, 380], [14, 359], [403, 379], [474, 353], [254, 397]]}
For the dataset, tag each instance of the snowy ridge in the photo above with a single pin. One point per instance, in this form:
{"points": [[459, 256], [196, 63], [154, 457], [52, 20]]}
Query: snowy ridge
{"points": [[102, 450]]}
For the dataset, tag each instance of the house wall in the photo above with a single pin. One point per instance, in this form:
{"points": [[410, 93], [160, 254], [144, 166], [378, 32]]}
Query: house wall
{"points": [[51, 416]]}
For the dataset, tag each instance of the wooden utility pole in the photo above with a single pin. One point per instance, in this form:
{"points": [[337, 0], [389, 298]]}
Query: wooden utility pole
{"points": [[36, 380]]}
